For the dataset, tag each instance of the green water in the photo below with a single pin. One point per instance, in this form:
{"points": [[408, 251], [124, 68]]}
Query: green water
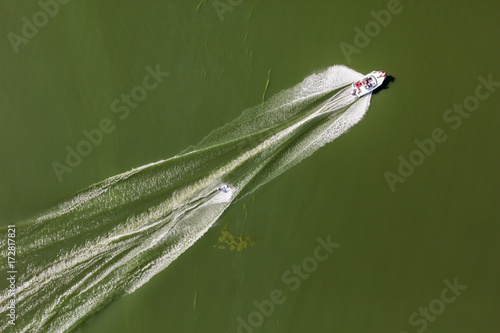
{"points": [[396, 247]]}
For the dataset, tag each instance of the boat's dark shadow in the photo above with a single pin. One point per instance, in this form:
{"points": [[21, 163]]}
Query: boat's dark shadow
{"points": [[385, 84]]}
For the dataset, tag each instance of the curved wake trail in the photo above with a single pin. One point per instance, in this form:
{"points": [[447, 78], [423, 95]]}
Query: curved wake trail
{"points": [[113, 237]]}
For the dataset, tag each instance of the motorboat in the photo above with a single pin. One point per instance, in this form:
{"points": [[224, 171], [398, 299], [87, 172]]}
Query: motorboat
{"points": [[368, 83]]}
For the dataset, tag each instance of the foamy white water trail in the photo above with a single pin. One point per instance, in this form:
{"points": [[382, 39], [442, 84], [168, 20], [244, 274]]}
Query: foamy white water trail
{"points": [[112, 237]]}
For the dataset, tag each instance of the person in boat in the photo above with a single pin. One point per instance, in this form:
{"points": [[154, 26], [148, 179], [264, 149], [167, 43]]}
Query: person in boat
{"points": [[358, 85], [369, 82]]}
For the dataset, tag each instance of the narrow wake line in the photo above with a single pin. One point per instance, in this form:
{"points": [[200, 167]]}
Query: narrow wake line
{"points": [[111, 238]]}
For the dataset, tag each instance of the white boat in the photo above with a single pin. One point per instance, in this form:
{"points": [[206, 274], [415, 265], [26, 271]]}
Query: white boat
{"points": [[368, 83]]}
